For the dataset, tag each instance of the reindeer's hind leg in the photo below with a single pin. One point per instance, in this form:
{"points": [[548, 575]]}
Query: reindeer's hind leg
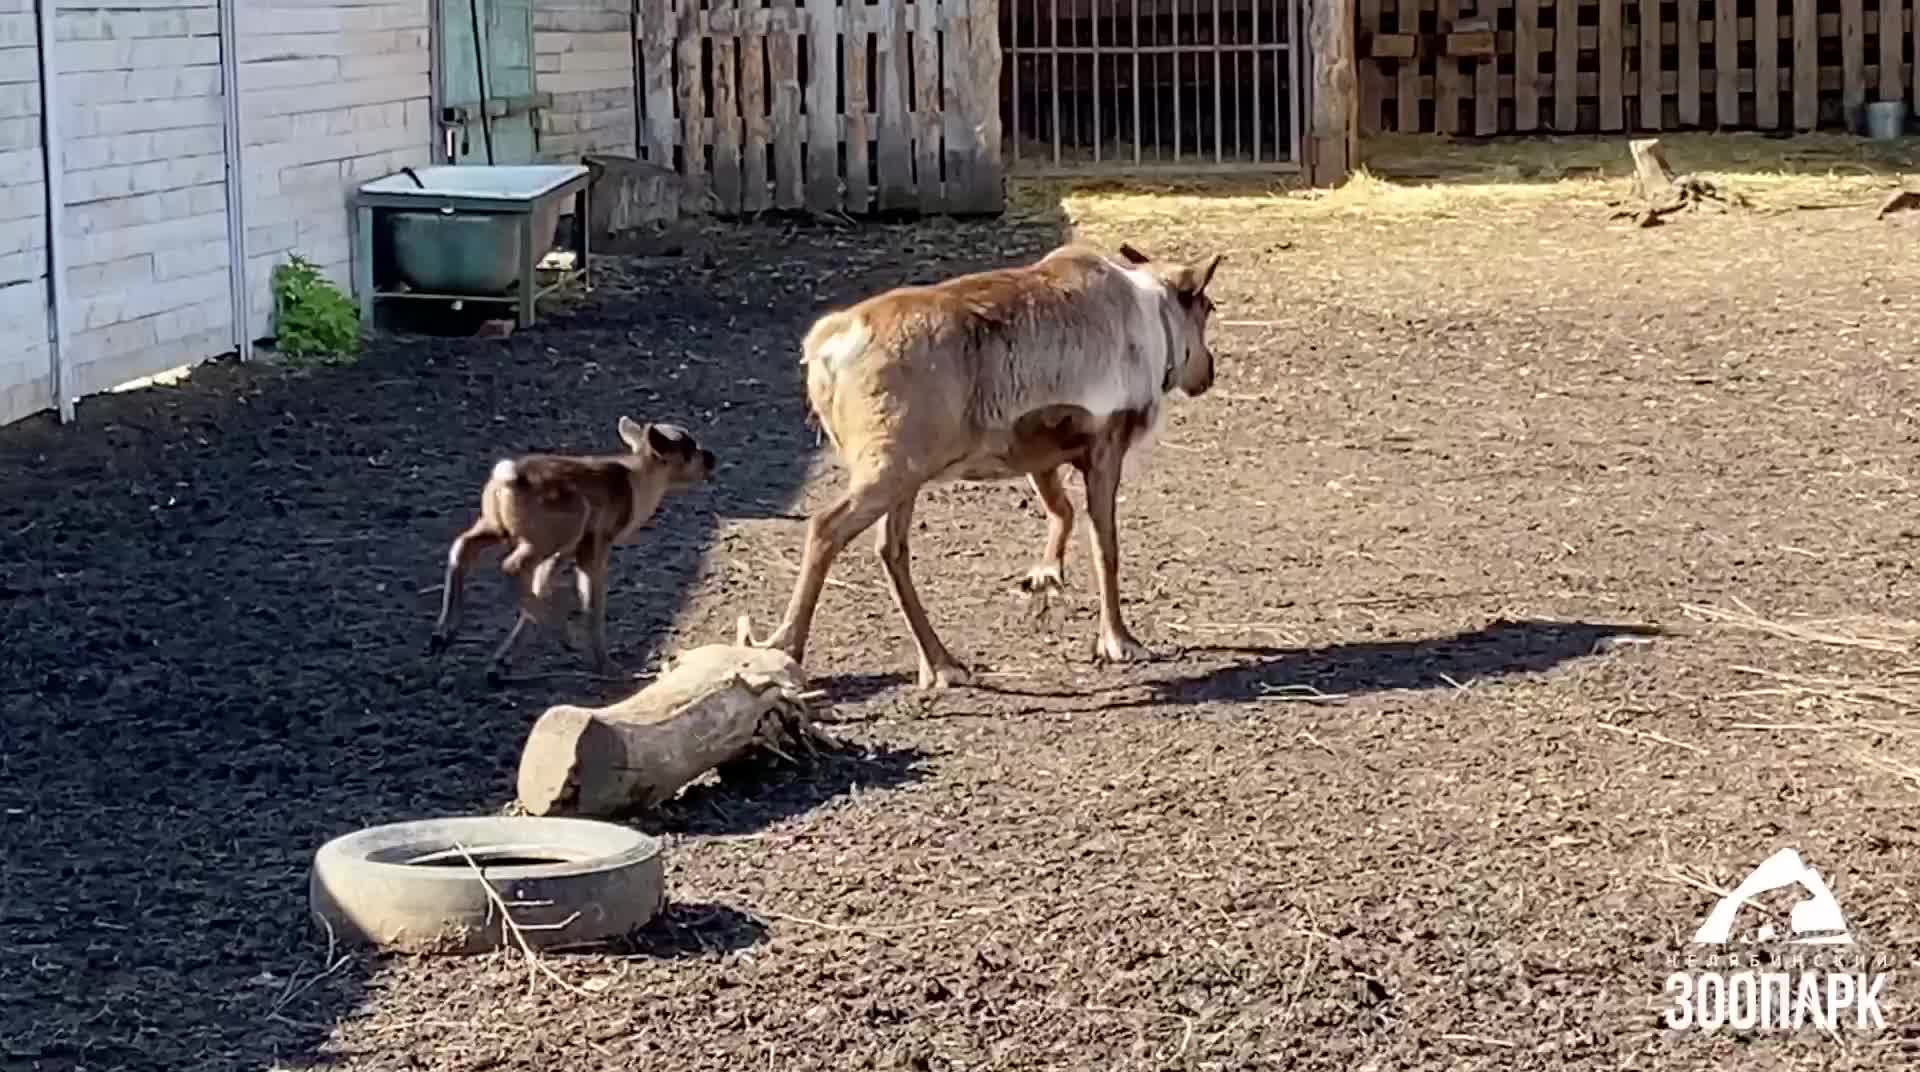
{"points": [[1050, 573], [535, 581], [867, 500], [938, 668], [467, 548]]}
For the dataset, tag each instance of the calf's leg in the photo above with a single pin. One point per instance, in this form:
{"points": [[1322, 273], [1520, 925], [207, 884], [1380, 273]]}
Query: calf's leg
{"points": [[467, 547], [535, 581]]}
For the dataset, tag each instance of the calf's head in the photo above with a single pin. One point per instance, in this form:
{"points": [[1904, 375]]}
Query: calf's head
{"points": [[1193, 372], [670, 449]]}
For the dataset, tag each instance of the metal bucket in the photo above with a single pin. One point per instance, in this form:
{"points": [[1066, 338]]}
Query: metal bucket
{"points": [[1886, 120]]}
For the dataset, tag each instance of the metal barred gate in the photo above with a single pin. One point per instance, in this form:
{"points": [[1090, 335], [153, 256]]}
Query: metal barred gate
{"points": [[1133, 86]]}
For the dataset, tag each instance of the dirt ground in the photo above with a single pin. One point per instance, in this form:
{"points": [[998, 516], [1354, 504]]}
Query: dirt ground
{"points": [[1525, 578]]}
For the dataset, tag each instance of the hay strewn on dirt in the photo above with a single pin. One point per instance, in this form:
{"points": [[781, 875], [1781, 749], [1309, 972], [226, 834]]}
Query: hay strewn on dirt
{"points": [[1461, 478]]}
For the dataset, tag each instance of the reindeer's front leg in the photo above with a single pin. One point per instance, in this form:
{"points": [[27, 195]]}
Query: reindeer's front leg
{"points": [[1115, 642]]}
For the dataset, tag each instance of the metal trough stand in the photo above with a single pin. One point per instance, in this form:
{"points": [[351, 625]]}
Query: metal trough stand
{"points": [[369, 203]]}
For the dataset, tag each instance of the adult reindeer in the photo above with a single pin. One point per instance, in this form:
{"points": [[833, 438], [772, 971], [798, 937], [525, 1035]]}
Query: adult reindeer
{"points": [[993, 376]]}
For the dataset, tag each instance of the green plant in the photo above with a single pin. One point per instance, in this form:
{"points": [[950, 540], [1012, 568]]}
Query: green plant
{"points": [[312, 318]]}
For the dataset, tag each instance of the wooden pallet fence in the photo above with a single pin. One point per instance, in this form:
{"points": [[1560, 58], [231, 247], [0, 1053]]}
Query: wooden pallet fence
{"points": [[1482, 67], [825, 106]]}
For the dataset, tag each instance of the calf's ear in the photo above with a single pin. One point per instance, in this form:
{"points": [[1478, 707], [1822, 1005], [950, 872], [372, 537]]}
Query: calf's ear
{"points": [[633, 434]]}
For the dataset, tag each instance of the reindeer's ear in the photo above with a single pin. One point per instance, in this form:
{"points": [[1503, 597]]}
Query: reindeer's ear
{"points": [[1205, 275], [1132, 255], [633, 434]]}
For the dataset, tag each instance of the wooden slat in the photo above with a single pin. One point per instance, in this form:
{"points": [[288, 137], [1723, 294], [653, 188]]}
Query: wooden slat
{"points": [[926, 105], [654, 23], [1446, 112], [1649, 64], [986, 192], [1766, 64], [823, 105], [1890, 59], [1726, 63], [1372, 80], [1688, 106], [1806, 66], [693, 100], [1486, 75], [1408, 104], [1853, 58], [853, 43], [1526, 65], [1612, 45], [895, 151], [783, 62], [1566, 58], [726, 123], [755, 193], [956, 89]]}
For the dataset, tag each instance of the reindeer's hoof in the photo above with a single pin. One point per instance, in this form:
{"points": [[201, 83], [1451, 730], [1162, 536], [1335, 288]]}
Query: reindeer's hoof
{"points": [[437, 644], [1120, 648], [1041, 580], [940, 678], [496, 675]]}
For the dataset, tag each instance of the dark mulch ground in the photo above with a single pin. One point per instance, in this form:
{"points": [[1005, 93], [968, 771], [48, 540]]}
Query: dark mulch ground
{"points": [[1444, 466]]}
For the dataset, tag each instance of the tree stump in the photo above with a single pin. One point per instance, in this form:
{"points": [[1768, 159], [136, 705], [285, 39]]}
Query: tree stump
{"points": [[716, 706], [1662, 193]]}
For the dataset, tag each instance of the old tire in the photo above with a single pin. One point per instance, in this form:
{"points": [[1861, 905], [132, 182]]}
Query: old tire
{"points": [[406, 887]]}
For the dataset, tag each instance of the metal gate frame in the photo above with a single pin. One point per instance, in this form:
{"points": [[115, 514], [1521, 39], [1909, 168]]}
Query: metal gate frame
{"points": [[1289, 95]]}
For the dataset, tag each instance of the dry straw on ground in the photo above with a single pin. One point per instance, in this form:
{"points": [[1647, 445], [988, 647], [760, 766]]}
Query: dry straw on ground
{"points": [[1876, 714]]}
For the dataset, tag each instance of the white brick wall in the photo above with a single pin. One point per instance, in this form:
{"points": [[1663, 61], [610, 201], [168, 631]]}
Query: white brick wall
{"points": [[333, 93], [144, 184], [583, 55], [25, 376]]}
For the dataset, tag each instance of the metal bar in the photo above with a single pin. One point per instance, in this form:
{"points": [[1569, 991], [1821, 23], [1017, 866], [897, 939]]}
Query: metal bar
{"points": [[1173, 23], [1134, 40], [1293, 73], [1256, 82], [1219, 138], [1084, 50], [54, 168], [1053, 38], [1124, 169], [237, 288], [1093, 19], [1013, 50]]}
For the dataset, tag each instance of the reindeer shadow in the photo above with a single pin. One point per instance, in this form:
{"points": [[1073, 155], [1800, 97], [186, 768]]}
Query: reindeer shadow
{"points": [[1503, 648]]}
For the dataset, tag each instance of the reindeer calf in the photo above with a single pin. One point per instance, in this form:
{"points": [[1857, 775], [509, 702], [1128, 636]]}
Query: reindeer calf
{"points": [[550, 509]]}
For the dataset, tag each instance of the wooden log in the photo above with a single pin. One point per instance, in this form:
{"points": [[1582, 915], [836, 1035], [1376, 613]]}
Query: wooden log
{"points": [[717, 705], [1332, 129]]}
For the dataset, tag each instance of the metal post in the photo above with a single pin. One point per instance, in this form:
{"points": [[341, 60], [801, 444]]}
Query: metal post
{"points": [[51, 146], [237, 286]]}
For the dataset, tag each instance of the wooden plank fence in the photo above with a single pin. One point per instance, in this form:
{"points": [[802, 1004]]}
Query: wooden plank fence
{"points": [[825, 105], [1481, 67]]}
